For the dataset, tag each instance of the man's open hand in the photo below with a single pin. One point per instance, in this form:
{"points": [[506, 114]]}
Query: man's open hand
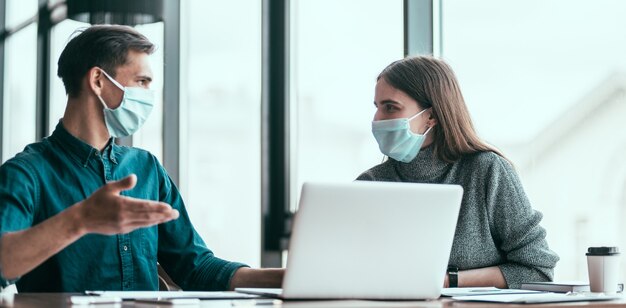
{"points": [[108, 212]]}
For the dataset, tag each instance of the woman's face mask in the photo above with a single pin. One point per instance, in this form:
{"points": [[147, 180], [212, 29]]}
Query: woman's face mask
{"points": [[396, 140], [132, 113]]}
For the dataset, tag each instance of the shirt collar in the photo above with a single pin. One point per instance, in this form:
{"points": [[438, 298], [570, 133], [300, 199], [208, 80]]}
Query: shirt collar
{"points": [[80, 149], [112, 150]]}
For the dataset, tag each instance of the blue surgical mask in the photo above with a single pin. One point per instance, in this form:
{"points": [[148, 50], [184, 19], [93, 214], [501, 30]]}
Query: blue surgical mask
{"points": [[396, 140], [132, 113]]}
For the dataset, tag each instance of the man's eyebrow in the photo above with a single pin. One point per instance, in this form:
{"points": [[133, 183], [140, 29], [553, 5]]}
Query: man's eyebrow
{"points": [[146, 77]]}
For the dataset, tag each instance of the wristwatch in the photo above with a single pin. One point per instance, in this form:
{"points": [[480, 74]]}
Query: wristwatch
{"points": [[453, 276]]}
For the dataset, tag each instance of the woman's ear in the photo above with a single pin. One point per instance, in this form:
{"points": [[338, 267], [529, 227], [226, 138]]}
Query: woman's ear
{"points": [[94, 79], [432, 121]]}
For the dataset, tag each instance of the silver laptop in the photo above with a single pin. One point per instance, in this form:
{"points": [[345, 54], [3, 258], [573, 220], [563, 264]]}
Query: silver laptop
{"points": [[369, 240]]}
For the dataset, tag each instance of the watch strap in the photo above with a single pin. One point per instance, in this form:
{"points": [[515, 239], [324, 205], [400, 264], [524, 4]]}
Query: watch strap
{"points": [[453, 276]]}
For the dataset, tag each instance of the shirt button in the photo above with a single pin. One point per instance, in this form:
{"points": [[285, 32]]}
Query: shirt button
{"points": [[125, 247]]}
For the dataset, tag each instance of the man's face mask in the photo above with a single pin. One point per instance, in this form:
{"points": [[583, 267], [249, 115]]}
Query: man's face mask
{"points": [[396, 140], [132, 113]]}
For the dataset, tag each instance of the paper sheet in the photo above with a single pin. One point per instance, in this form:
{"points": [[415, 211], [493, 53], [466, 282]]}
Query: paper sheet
{"points": [[171, 294], [537, 298], [450, 292]]}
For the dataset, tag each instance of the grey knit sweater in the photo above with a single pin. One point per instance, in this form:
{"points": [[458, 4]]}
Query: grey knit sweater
{"points": [[496, 225]]}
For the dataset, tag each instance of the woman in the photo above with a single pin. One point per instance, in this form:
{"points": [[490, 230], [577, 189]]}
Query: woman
{"points": [[422, 124]]}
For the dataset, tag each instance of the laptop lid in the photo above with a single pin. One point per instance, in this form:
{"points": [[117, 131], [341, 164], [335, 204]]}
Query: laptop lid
{"points": [[371, 240]]}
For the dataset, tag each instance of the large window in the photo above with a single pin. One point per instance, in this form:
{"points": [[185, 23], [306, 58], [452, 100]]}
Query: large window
{"points": [[60, 36], [19, 79], [150, 136], [19, 11], [545, 82], [220, 145], [338, 48], [334, 65]]}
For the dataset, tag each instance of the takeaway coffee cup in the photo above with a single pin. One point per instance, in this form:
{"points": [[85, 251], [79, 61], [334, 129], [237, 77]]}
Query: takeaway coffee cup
{"points": [[603, 266]]}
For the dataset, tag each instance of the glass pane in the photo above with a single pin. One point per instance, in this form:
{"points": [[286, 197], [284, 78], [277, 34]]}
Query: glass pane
{"points": [[220, 143], [548, 89], [60, 36], [335, 65], [18, 11], [20, 85], [150, 136]]}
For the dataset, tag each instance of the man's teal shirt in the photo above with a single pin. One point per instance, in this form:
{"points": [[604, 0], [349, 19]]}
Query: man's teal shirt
{"points": [[61, 170]]}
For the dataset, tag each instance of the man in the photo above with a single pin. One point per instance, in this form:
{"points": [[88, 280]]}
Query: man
{"points": [[78, 212]]}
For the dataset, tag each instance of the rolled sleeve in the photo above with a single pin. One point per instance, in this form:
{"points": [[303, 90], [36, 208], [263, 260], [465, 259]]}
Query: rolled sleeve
{"points": [[18, 194], [215, 274]]}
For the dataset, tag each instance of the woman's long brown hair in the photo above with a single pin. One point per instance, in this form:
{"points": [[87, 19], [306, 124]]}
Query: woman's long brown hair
{"points": [[432, 83]]}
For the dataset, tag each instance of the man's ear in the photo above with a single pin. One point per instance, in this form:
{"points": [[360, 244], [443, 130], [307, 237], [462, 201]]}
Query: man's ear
{"points": [[94, 80]]}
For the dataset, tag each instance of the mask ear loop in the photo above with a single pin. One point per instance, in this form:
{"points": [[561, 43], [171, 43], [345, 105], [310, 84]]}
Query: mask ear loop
{"points": [[417, 114], [413, 117], [429, 127], [117, 84], [102, 101]]}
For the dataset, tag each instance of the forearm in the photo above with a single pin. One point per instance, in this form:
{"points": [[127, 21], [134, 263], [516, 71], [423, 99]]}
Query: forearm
{"points": [[22, 251], [481, 277], [257, 278]]}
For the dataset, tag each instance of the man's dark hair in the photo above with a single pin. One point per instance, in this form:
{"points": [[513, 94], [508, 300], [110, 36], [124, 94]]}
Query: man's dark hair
{"points": [[104, 46]]}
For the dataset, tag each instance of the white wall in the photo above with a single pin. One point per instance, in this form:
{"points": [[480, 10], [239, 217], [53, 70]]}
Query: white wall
{"points": [[578, 183]]}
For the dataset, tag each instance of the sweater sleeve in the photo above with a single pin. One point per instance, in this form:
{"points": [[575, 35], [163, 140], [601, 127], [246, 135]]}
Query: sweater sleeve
{"points": [[365, 176], [516, 228]]}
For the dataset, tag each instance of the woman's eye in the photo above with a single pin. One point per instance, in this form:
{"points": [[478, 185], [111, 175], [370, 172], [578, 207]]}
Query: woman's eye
{"points": [[389, 108]]}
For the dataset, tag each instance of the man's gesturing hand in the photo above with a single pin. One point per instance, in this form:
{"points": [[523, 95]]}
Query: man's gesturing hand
{"points": [[107, 212]]}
